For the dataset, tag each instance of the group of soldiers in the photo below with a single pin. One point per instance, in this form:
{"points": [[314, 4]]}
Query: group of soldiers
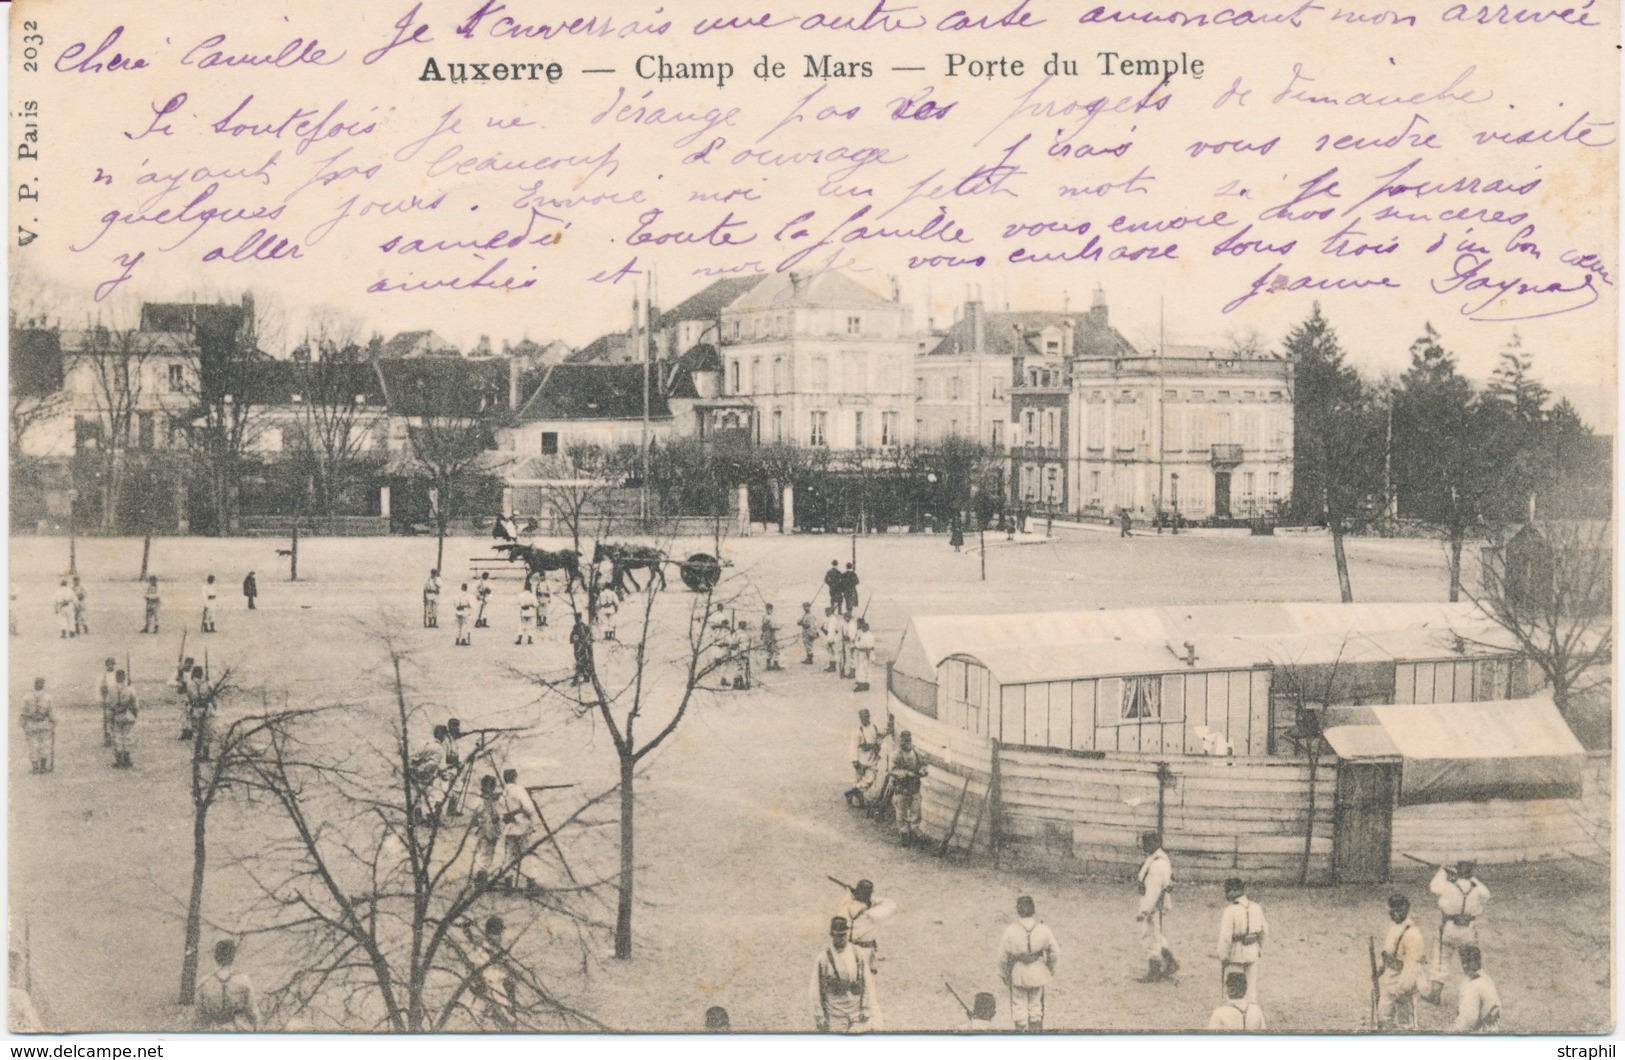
{"points": [[849, 644], [887, 772], [844, 994]]}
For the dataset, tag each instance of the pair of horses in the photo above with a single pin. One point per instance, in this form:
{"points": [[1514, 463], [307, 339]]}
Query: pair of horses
{"points": [[623, 560]]}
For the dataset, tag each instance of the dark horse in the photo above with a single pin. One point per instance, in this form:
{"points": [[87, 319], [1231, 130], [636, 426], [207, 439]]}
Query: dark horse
{"points": [[541, 562], [624, 559]]}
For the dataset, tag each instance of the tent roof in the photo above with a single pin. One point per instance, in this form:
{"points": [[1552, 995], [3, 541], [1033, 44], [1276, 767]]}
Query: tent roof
{"points": [[1518, 748], [1023, 648]]}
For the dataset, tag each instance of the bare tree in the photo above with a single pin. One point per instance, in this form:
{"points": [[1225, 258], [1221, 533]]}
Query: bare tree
{"points": [[222, 762], [336, 430], [1551, 588], [574, 498], [227, 384], [641, 689], [452, 410], [116, 362], [35, 394], [373, 892]]}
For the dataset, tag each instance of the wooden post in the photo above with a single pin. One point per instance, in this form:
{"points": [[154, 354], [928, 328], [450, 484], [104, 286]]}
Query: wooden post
{"points": [[948, 836], [294, 556], [995, 798]]}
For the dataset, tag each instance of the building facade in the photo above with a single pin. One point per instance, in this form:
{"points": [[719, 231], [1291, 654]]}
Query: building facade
{"points": [[826, 362]]}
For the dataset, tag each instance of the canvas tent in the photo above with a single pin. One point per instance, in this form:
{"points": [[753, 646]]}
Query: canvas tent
{"points": [[1452, 752]]}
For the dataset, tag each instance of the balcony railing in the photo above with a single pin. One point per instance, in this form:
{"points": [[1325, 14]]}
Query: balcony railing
{"points": [[1226, 455]]}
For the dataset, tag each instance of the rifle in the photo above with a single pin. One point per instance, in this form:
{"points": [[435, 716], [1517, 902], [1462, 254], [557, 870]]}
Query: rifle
{"points": [[969, 1014], [180, 656], [1376, 974], [838, 883], [1434, 865], [129, 671], [206, 664]]}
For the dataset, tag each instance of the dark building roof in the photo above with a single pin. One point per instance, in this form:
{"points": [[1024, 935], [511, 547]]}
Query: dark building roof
{"points": [[1007, 334], [709, 301], [36, 362], [405, 344], [604, 392], [329, 382], [701, 357], [443, 386]]}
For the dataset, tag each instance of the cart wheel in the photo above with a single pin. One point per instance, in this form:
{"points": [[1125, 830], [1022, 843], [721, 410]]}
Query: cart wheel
{"points": [[701, 572]]}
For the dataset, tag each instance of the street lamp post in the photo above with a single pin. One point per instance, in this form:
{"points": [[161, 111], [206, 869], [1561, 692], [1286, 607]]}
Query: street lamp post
{"points": [[1174, 497]]}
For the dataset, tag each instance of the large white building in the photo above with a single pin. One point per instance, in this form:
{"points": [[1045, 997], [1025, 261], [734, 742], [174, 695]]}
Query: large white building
{"points": [[825, 361]]}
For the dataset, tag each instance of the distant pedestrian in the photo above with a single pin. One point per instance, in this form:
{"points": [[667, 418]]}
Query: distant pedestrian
{"points": [[809, 632], [544, 601], [1027, 958], [849, 590], [832, 639], [151, 623], [863, 651], [907, 773], [125, 712], [431, 600], [39, 729], [581, 648], [956, 536], [225, 1000], [1156, 878], [834, 584], [251, 589], [527, 616], [464, 610], [81, 614], [208, 604], [1125, 522], [770, 639], [63, 605], [107, 692]]}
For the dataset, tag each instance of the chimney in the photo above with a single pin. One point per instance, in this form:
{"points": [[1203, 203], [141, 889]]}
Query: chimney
{"points": [[1097, 308], [513, 384], [1068, 350], [978, 327]]}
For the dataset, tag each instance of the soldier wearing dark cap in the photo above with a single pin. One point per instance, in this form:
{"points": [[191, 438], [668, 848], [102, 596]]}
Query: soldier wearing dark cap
{"points": [[1027, 957], [1156, 878], [982, 1011], [105, 687], [124, 715], [840, 986], [907, 771]]}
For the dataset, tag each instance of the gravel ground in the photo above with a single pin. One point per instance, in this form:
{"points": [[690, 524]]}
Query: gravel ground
{"points": [[740, 815]]}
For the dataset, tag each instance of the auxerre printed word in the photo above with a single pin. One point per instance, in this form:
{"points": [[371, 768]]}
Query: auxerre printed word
{"points": [[460, 73]]}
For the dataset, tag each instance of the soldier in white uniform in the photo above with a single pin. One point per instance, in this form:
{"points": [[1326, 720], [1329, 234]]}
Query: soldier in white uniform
{"points": [[464, 608], [487, 828], [863, 913], [1238, 1013], [609, 606], [864, 746], [840, 985], [225, 1000], [1462, 899], [39, 729], [832, 640], [1479, 1010], [208, 604], [482, 598], [1156, 878], [519, 818], [431, 600], [1403, 954], [1027, 956], [107, 690], [849, 638], [64, 604], [863, 650], [1241, 937], [124, 714], [527, 616]]}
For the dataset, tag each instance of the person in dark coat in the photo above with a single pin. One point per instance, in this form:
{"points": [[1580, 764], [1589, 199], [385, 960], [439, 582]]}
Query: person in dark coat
{"points": [[251, 589], [834, 583], [849, 590]]}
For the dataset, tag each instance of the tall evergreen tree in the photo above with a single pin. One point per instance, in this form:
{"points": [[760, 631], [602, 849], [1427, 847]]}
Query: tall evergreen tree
{"points": [[1337, 445]]}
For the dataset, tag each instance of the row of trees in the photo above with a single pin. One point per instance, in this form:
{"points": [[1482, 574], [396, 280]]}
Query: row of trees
{"points": [[1431, 450]]}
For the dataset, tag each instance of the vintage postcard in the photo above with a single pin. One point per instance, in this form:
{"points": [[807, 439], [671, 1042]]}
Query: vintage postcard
{"points": [[818, 516]]}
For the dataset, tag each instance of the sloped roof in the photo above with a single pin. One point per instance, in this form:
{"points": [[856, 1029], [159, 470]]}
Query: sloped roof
{"points": [[1007, 334], [706, 303], [443, 386], [595, 392], [826, 288], [416, 344], [330, 381], [701, 357], [221, 318], [1057, 646]]}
